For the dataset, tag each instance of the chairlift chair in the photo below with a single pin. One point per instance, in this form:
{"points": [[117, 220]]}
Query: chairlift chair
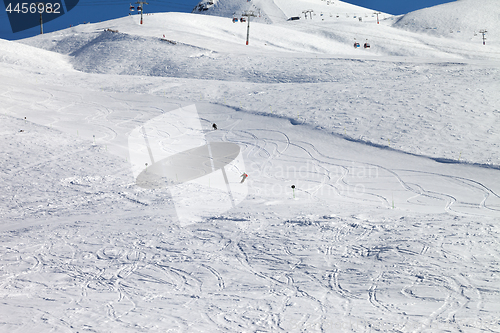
{"points": [[132, 8], [367, 45]]}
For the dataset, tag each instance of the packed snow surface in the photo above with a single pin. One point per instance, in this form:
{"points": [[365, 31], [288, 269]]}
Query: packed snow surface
{"points": [[372, 201]]}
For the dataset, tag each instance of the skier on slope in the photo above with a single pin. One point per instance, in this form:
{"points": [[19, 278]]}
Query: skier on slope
{"points": [[214, 126], [243, 177]]}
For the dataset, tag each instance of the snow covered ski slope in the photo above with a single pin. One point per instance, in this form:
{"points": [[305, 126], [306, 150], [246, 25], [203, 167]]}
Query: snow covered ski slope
{"points": [[372, 201], [280, 10]]}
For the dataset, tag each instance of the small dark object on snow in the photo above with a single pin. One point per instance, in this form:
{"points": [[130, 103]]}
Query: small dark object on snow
{"points": [[293, 186], [214, 126], [243, 177]]}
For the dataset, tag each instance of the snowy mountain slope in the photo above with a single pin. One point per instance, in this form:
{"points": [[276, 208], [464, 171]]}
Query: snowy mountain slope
{"points": [[266, 11], [375, 236], [275, 11], [462, 20], [328, 10], [421, 108], [220, 35], [212, 48], [31, 57], [334, 36], [371, 233]]}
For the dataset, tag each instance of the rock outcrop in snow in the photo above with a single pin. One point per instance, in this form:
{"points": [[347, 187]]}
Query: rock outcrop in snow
{"points": [[265, 11], [204, 5]]}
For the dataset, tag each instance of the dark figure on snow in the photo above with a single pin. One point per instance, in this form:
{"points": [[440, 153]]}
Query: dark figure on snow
{"points": [[243, 177], [214, 126]]}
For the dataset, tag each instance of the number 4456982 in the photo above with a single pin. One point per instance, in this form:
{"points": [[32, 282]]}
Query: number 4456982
{"points": [[24, 8]]}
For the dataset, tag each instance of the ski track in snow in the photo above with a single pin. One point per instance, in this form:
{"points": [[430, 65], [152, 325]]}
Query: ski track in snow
{"points": [[374, 237], [265, 271]]}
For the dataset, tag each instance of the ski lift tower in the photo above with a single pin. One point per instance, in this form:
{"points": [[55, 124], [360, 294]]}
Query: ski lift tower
{"points": [[483, 32], [40, 6], [141, 7], [248, 14], [308, 11], [377, 13]]}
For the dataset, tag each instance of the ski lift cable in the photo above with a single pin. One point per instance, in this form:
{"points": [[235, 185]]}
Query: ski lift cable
{"points": [[119, 2], [154, 7]]}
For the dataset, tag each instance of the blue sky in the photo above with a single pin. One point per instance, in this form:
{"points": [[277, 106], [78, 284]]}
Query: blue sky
{"points": [[101, 10]]}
